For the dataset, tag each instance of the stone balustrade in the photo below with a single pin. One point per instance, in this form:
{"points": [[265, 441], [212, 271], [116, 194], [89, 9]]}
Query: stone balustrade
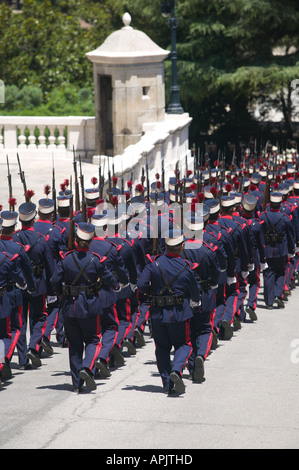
{"points": [[44, 137], [47, 135]]}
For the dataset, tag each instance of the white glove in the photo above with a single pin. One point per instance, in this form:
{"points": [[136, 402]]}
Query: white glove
{"points": [[297, 249], [22, 288], [291, 256], [231, 280], [251, 267], [245, 274], [194, 304], [51, 299], [214, 287], [264, 266], [133, 287]]}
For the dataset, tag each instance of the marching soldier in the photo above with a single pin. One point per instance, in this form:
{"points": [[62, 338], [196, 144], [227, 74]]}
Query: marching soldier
{"points": [[42, 266], [7, 244], [170, 285], [10, 273], [56, 241], [257, 239], [78, 278], [280, 244]]}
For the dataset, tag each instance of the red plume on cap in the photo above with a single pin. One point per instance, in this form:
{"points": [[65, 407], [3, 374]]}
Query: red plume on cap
{"points": [[228, 187], [1, 207], [189, 172], [252, 187], [214, 191], [128, 195], [63, 187], [12, 201], [114, 200], [89, 212], [278, 178], [100, 201], [47, 189], [94, 180], [29, 194], [200, 197], [212, 180], [237, 184], [157, 176], [158, 184], [130, 184], [193, 187], [275, 185], [139, 188], [66, 182], [114, 180]]}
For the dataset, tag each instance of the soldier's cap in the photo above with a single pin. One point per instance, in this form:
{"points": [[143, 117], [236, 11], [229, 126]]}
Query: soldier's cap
{"points": [[296, 185], [206, 175], [157, 196], [275, 196], [173, 193], [249, 202], [246, 182], [85, 231], [27, 211], [9, 218], [99, 220], [174, 237], [92, 193], [237, 196], [256, 178], [64, 200], [67, 192], [172, 183], [227, 201], [213, 205], [207, 192], [46, 205], [188, 182], [138, 199], [194, 221], [157, 186]]}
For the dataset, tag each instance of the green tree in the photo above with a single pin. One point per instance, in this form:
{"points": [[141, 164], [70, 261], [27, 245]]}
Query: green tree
{"points": [[232, 55]]}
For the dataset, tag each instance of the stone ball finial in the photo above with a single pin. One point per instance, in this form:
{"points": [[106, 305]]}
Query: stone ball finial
{"points": [[127, 20]]}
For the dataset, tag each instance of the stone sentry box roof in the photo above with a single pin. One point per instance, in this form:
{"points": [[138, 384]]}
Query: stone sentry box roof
{"points": [[127, 45]]}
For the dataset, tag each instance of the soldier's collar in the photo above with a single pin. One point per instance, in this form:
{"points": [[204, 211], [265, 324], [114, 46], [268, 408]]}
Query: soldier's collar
{"points": [[173, 255]]}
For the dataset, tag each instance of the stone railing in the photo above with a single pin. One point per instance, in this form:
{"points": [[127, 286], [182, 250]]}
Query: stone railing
{"points": [[166, 141], [47, 135], [44, 137]]}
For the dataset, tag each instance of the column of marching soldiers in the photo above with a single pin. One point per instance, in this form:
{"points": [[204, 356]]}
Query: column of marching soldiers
{"points": [[185, 260]]}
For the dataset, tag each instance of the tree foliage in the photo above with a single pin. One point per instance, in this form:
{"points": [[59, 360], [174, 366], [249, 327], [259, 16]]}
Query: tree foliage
{"points": [[232, 55]]}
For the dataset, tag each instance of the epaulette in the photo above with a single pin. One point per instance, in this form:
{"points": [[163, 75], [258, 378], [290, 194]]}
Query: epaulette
{"points": [[63, 254], [192, 266], [130, 242], [61, 230], [98, 256], [9, 256], [152, 258], [118, 247], [26, 247]]}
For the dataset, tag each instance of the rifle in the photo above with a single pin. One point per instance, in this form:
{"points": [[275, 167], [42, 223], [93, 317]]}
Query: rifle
{"points": [[77, 199], [54, 190], [22, 177], [147, 178], [9, 178], [109, 183], [84, 215], [71, 224], [163, 175], [266, 197]]}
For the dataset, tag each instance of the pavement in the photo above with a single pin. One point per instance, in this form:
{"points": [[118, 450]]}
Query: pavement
{"points": [[248, 399]]}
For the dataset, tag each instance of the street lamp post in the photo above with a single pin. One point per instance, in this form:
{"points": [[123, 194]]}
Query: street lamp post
{"points": [[174, 106]]}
